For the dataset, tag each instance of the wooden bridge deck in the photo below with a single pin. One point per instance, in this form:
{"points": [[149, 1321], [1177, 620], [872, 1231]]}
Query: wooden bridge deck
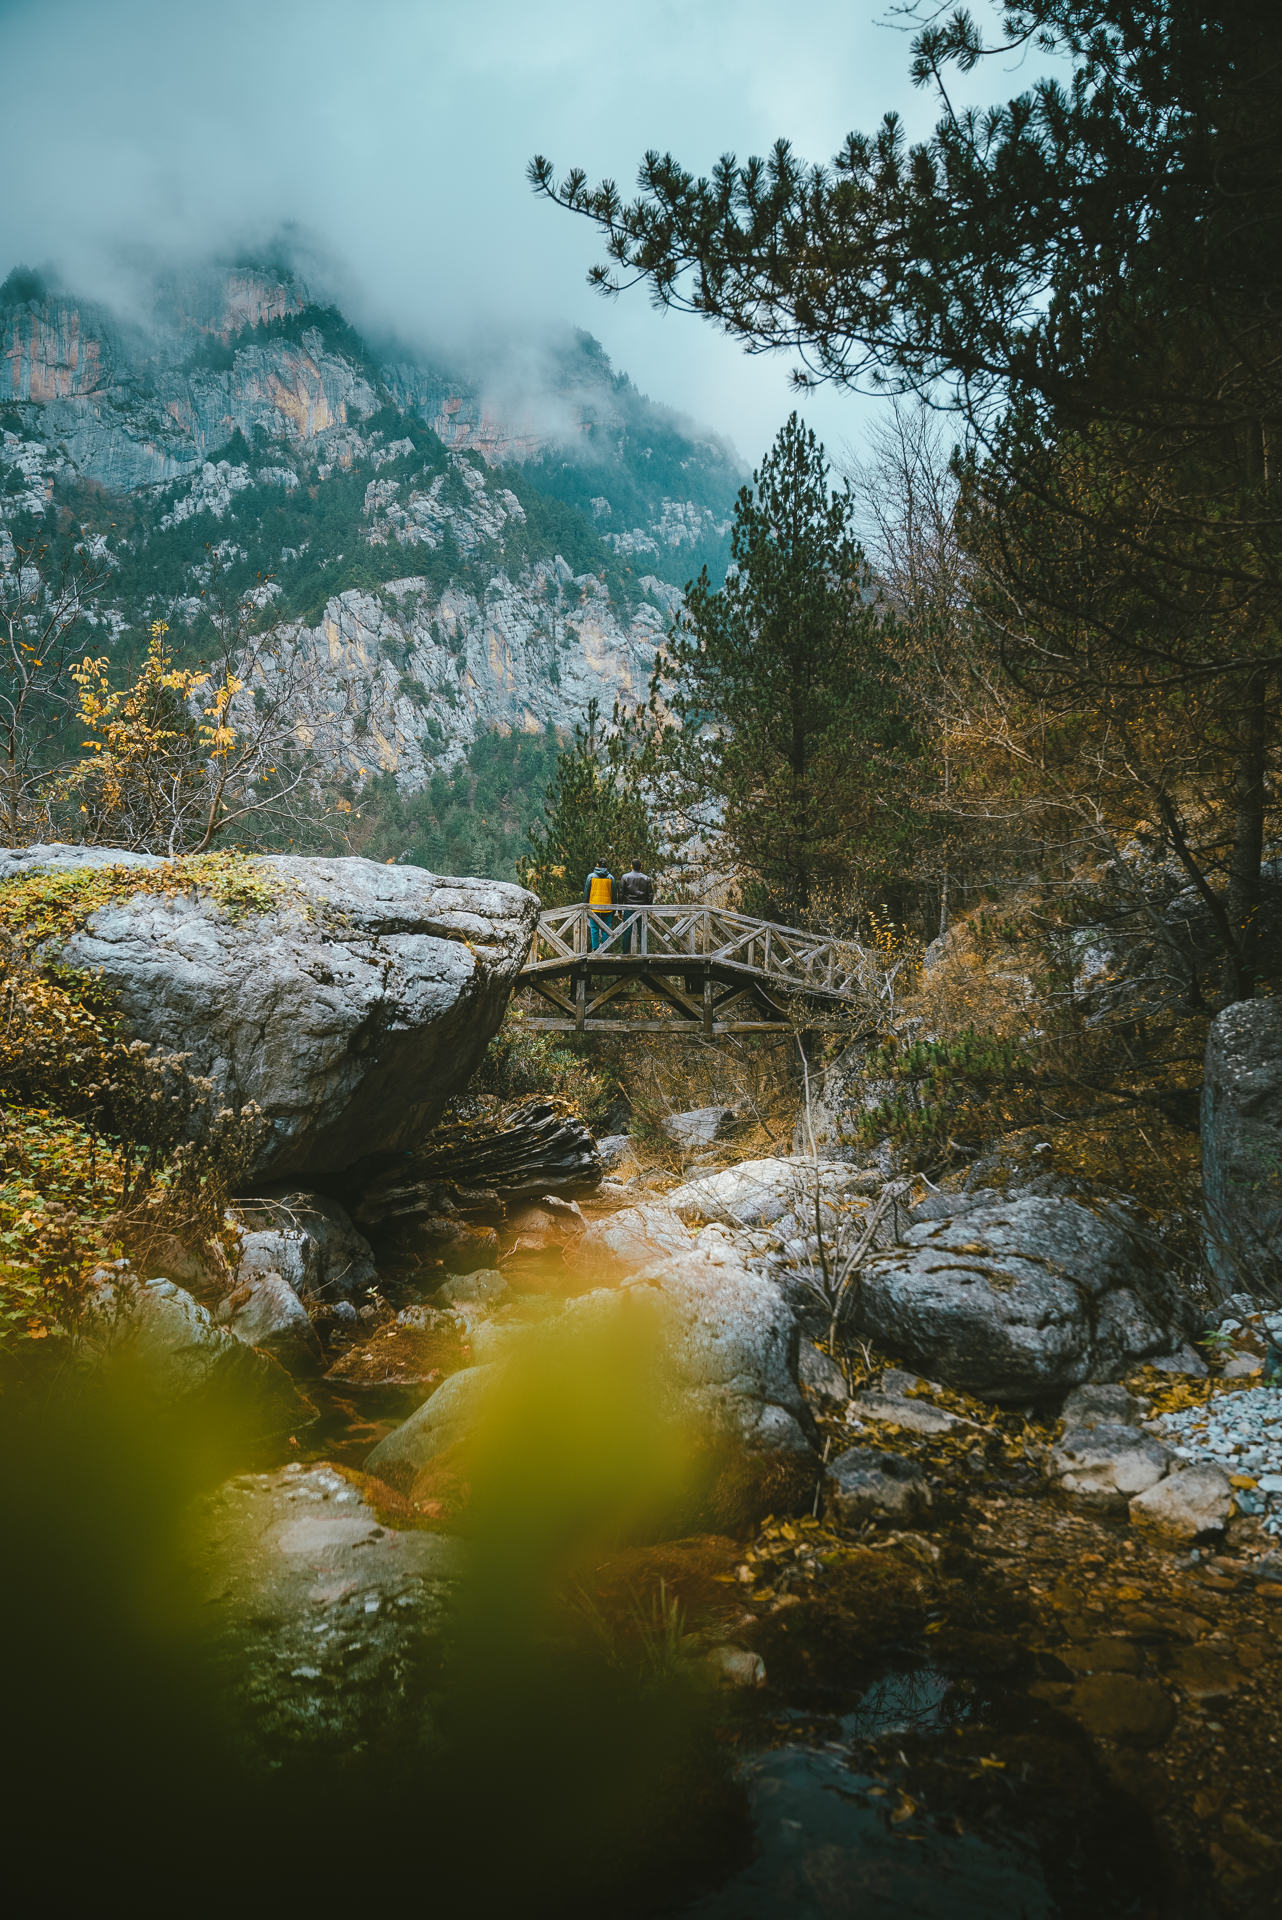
{"points": [[713, 972]]}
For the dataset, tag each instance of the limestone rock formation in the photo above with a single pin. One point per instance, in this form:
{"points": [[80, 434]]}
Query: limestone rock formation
{"points": [[349, 1012], [1242, 1148], [1020, 1298]]}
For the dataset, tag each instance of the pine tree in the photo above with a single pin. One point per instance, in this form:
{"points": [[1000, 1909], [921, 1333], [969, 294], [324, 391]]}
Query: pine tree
{"points": [[595, 811], [781, 686]]}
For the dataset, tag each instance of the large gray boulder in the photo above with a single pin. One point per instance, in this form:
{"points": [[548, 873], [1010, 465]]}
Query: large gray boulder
{"points": [[1242, 1148], [349, 1011], [1021, 1298]]}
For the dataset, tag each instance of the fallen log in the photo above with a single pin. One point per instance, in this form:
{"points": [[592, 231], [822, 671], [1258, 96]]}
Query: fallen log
{"points": [[539, 1147]]}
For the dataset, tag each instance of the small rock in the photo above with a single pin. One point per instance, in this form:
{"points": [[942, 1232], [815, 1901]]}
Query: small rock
{"points": [[1098, 1404], [1105, 1465], [915, 1416], [1206, 1675], [484, 1288], [613, 1149], [264, 1311], [1185, 1359], [865, 1484], [701, 1126], [1121, 1706], [736, 1667], [1198, 1500], [1242, 1366], [822, 1380], [446, 1417]]}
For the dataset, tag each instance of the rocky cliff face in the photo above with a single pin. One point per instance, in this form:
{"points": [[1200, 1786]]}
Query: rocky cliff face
{"points": [[445, 570]]}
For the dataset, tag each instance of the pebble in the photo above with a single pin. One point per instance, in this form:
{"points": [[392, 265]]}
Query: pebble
{"points": [[1241, 1432]]}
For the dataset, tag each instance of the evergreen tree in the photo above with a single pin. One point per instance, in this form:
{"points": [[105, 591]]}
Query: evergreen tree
{"points": [[595, 810], [1094, 270], [781, 687]]}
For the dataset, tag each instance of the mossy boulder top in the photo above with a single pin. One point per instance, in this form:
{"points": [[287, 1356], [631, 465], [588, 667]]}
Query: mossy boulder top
{"points": [[349, 1000]]}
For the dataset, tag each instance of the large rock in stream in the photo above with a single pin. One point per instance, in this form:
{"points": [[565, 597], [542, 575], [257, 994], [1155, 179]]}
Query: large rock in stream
{"points": [[349, 1010], [1021, 1298], [1242, 1148]]}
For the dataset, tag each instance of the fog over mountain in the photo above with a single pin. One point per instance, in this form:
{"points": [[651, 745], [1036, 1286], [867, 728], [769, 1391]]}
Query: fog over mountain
{"points": [[391, 138]]}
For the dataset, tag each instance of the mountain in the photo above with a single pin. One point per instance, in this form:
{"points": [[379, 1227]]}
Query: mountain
{"points": [[452, 571]]}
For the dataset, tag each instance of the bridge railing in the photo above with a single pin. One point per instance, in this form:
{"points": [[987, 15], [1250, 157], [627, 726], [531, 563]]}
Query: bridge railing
{"points": [[806, 961]]}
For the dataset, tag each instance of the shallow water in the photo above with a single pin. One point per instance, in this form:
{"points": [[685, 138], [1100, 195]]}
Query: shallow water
{"points": [[827, 1849]]}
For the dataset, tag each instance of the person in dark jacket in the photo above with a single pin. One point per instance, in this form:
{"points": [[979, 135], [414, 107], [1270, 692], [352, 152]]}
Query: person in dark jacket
{"points": [[636, 889], [598, 894]]}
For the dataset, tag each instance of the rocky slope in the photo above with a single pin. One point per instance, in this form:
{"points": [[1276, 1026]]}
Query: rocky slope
{"points": [[445, 572]]}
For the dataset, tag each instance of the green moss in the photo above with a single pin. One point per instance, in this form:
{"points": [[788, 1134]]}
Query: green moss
{"points": [[46, 907]]}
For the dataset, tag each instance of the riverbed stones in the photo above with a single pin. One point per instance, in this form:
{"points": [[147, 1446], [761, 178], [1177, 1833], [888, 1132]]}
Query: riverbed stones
{"points": [[264, 1311], [761, 1193], [1242, 1147], [1123, 1707], [866, 1484], [171, 1349], [348, 1010], [1184, 1505], [1105, 1464], [451, 1413], [1021, 1298], [316, 1607], [700, 1127], [631, 1239]]}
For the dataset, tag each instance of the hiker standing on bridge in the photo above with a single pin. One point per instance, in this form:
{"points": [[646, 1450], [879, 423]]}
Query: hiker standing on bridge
{"points": [[598, 894], [636, 889]]}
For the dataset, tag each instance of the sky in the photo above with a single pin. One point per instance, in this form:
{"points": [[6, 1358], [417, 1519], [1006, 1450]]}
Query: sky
{"points": [[395, 133]]}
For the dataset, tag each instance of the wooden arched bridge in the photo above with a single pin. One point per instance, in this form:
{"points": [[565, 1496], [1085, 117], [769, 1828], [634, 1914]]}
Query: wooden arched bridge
{"points": [[713, 972]]}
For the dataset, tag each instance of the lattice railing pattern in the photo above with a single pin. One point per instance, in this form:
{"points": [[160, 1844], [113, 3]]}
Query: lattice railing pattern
{"points": [[784, 957]]}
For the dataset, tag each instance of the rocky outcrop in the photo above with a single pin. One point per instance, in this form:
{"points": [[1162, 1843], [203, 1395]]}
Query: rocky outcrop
{"points": [[1020, 1299], [348, 1011], [532, 1149], [1242, 1148]]}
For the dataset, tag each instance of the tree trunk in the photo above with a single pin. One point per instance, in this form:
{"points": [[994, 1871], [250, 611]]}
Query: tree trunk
{"points": [[1247, 858]]}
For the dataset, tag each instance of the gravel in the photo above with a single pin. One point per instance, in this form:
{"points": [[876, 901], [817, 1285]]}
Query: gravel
{"points": [[1241, 1432]]}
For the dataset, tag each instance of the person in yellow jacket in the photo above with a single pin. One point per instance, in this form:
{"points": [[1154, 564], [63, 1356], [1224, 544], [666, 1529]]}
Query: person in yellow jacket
{"points": [[598, 893]]}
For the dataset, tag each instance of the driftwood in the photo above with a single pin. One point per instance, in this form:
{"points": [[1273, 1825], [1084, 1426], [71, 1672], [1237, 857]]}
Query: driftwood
{"points": [[537, 1148]]}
